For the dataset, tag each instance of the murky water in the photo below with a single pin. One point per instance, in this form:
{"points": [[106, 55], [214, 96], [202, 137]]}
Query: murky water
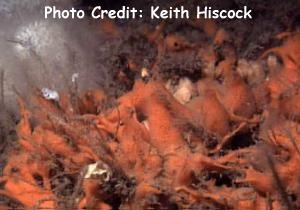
{"points": [[35, 52]]}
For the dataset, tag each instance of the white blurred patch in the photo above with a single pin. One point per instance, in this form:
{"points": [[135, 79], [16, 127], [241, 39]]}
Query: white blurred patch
{"points": [[50, 94], [75, 77], [144, 73], [184, 91], [251, 71], [40, 37]]}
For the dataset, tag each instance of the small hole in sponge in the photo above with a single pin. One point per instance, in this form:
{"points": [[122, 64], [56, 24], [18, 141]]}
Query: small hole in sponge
{"points": [[38, 179]]}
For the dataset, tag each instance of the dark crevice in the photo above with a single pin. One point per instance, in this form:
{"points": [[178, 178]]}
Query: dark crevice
{"points": [[38, 179], [241, 140]]}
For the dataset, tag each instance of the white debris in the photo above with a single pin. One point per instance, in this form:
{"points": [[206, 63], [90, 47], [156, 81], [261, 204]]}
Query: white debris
{"points": [[144, 73], [75, 77], [50, 94], [98, 169], [184, 90]]}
